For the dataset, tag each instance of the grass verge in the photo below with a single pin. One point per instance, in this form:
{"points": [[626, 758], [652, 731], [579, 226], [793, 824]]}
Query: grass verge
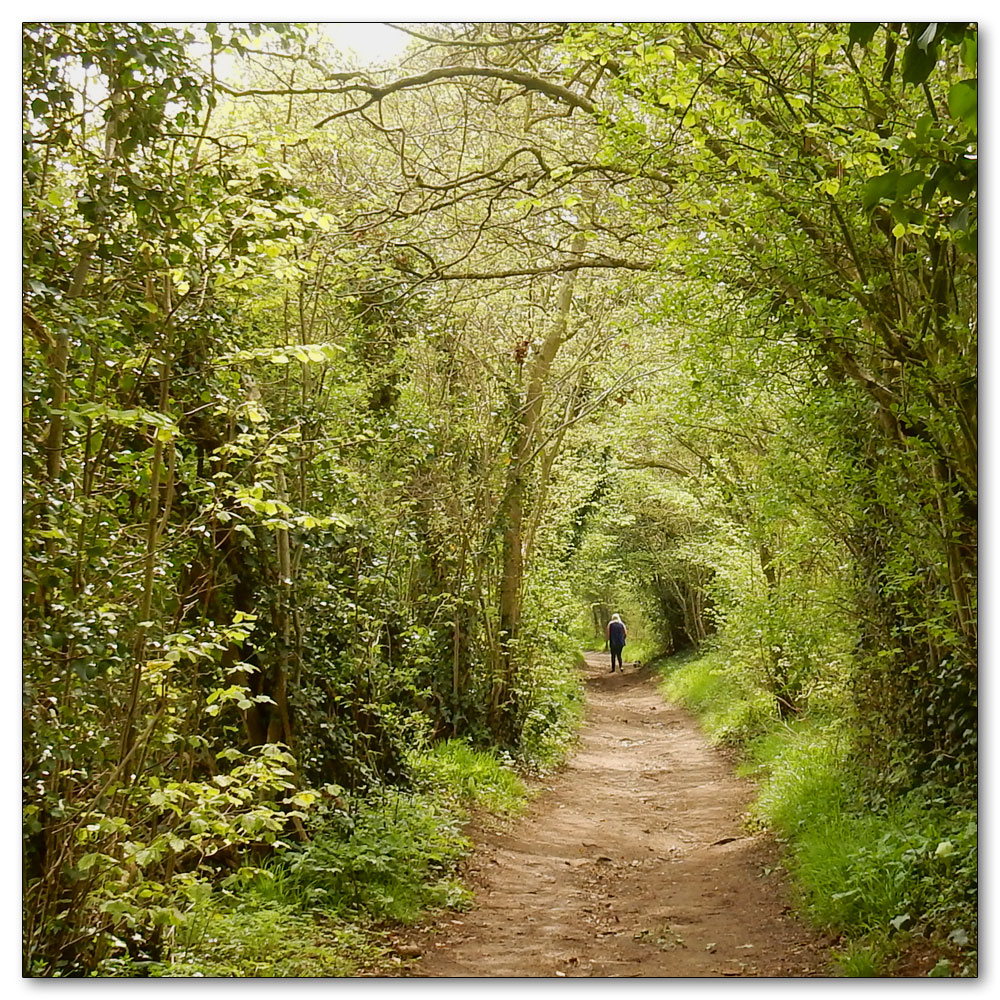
{"points": [[896, 879]]}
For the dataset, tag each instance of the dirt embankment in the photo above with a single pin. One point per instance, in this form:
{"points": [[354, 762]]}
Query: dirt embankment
{"points": [[633, 861]]}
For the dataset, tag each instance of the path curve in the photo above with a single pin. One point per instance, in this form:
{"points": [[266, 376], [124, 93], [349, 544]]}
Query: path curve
{"points": [[632, 861]]}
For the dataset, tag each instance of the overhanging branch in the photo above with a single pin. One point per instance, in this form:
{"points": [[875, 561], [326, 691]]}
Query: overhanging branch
{"points": [[376, 92], [526, 272]]}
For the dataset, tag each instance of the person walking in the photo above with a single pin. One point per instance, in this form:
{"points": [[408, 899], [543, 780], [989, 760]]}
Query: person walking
{"points": [[617, 633]]}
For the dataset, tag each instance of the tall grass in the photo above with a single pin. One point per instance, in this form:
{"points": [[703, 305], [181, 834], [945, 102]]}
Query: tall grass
{"points": [[266, 940], [882, 874], [730, 712], [474, 777]]}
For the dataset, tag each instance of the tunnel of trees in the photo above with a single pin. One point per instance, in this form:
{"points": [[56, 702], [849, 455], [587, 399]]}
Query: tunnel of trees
{"points": [[357, 398]]}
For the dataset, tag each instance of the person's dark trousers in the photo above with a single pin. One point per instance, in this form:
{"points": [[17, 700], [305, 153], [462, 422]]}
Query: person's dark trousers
{"points": [[616, 656]]}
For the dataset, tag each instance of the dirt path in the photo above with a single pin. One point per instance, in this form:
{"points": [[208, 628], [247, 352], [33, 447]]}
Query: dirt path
{"points": [[632, 862]]}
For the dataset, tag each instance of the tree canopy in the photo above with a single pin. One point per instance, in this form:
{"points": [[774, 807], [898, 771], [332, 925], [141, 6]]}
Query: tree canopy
{"points": [[354, 397]]}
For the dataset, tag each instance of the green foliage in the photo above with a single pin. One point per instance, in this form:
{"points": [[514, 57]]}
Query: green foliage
{"points": [[882, 873], [475, 777], [554, 708], [830, 412], [640, 558], [261, 940], [293, 506], [387, 859], [862, 960], [803, 771], [731, 711], [314, 909]]}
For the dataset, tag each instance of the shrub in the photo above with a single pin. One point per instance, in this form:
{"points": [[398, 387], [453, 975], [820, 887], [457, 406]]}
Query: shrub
{"points": [[265, 940], [385, 858]]}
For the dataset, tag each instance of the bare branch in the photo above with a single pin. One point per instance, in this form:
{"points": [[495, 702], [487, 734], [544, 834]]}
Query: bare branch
{"points": [[375, 92], [560, 268]]}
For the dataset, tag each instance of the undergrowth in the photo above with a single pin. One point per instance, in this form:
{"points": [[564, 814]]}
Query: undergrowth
{"points": [[730, 711], [250, 937], [371, 863], [885, 874]]}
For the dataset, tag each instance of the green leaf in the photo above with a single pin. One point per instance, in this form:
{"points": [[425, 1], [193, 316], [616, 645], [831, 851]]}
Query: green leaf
{"points": [[899, 230], [167, 915], [963, 102], [927, 36], [919, 59], [953, 183], [861, 33], [909, 182], [924, 123], [959, 222], [970, 51], [145, 856], [879, 188]]}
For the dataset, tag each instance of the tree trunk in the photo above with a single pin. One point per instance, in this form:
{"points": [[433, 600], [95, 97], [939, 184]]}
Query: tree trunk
{"points": [[503, 708]]}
